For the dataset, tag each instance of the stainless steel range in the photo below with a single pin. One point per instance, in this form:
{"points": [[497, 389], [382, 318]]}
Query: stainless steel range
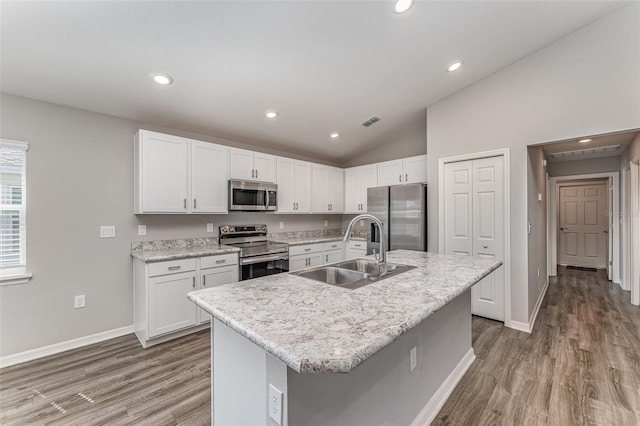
{"points": [[259, 257]]}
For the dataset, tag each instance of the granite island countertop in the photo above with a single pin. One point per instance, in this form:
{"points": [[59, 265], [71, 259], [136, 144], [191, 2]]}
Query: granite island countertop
{"points": [[319, 328]]}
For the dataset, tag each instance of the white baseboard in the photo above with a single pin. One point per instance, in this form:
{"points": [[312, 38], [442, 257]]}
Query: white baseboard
{"points": [[528, 327], [56, 348], [431, 410]]}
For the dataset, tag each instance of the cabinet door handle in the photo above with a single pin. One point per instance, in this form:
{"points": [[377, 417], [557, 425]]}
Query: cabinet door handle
{"points": [[221, 261], [307, 249], [194, 203], [406, 177], [485, 246], [185, 204], [194, 282], [252, 173], [204, 280], [400, 177], [256, 173], [326, 257], [174, 268]]}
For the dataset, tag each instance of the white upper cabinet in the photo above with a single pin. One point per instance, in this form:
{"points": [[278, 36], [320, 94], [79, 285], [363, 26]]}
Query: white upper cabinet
{"points": [[179, 175], [406, 170], [209, 178], [415, 169], [161, 173], [294, 186], [249, 165], [356, 182], [328, 189]]}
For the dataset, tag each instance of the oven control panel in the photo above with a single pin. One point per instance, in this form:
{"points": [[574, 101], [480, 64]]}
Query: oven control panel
{"points": [[243, 229]]}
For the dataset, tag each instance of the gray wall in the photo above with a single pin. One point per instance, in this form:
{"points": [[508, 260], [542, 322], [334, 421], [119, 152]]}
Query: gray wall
{"points": [[580, 167], [406, 141], [537, 214], [563, 91], [80, 176]]}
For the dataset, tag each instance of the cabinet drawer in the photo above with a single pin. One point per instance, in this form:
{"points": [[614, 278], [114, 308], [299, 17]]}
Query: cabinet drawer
{"points": [[218, 260], [171, 267], [305, 249], [334, 245], [355, 245]]}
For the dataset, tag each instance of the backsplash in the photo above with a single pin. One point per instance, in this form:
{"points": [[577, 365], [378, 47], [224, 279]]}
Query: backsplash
{"points": [[203, 242]]}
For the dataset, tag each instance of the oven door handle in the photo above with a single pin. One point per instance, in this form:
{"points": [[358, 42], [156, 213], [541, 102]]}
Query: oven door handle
{"points": [[261, 259]]}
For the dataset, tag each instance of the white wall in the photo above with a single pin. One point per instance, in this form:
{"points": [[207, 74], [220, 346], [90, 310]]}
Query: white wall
{"points": [[80, 176], [537, 214], [584, 84]]}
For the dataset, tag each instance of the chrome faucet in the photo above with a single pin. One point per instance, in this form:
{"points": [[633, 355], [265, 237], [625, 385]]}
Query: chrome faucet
{"points": [[380, 257]]}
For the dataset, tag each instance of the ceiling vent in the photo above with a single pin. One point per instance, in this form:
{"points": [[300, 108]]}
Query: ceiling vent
{"points": [[369, 121]]}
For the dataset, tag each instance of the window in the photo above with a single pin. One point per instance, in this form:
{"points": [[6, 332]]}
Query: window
{"points": [[13, 262]]}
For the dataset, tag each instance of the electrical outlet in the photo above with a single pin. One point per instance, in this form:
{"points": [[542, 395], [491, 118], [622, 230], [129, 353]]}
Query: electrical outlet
{"points": [[326, 222], [78, 301], [142, 229], [413, 358], [209, 227], [108, 231], [281, 224], [275, 404]]}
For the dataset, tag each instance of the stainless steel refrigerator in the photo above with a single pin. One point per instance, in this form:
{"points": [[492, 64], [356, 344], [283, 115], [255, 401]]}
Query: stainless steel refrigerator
{"points": [[402, 209]]}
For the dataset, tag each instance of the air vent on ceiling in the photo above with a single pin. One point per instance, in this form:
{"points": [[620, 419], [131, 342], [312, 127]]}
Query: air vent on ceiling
{"points": [[584, 152], [369, 121]]}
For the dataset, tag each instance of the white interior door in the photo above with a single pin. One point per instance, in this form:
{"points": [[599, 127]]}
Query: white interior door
{"points": [[583, 239], [473, 221], [487, 296], [458, 193]]}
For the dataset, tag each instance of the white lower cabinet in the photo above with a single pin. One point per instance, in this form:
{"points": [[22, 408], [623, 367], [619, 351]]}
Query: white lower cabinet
{"points": [[356, 249], [161, 308], [310, 255]]}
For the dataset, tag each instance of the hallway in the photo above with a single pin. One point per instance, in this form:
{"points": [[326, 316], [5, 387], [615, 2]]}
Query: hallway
{"points": [[580, 365]]}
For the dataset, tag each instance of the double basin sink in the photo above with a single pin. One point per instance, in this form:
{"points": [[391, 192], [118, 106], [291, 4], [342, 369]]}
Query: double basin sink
{"points": [[352, 274]]}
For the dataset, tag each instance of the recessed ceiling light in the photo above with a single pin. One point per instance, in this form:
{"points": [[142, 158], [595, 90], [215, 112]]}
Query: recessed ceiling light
{"points": [[161, 78], [403, 5], [334, 135], [454, 66], [271, 114], [584, 140]]}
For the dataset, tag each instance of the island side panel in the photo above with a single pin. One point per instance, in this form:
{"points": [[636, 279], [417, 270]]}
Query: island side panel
{"points": [[239, 371], [382, 390]]}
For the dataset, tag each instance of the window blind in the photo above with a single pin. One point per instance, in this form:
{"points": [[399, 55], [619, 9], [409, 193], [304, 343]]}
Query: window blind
{"points": [[13, 156]]}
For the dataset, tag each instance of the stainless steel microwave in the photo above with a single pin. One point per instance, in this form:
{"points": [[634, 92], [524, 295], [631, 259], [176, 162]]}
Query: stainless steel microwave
{"points": [[252, 196]]}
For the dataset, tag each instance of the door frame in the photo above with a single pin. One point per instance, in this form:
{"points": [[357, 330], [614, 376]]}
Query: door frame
{"points": [[506, 163], [634, 214], [553, 211]]}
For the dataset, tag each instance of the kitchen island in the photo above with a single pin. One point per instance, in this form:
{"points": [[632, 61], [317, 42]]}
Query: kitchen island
{"points": [[310, 341]]}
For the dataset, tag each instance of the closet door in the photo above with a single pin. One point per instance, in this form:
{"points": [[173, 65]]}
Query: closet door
{"points": [[487, 296], [474, 225]]}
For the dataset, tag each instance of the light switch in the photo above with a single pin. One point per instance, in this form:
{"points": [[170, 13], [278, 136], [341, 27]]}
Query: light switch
{"points": [[281, 225], [142, 229], [326, 222], [209, 227], [108, 231], [539, 197]]}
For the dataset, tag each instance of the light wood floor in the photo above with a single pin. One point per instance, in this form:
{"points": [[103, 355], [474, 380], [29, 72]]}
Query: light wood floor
{"points": [[581, 365]]}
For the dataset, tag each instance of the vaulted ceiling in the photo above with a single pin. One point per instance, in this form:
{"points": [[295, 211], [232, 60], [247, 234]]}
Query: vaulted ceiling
{"points": [[325, 66]]}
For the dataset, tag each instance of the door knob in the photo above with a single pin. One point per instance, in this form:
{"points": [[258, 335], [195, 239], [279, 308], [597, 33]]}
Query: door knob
{"points": [[563, 229]]}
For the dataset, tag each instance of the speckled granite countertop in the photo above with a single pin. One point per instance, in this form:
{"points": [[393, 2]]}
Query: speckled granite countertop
{"points": [[298, 241], [157, 255], [317, 328]]}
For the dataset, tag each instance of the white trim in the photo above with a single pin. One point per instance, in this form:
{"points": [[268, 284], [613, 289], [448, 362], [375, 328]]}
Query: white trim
{"points": [[552, 243], [19, 278], [527, 327], [625, 233], [521, 326], [57, 348], [433, 406], [635, 231], [506, 158]]}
